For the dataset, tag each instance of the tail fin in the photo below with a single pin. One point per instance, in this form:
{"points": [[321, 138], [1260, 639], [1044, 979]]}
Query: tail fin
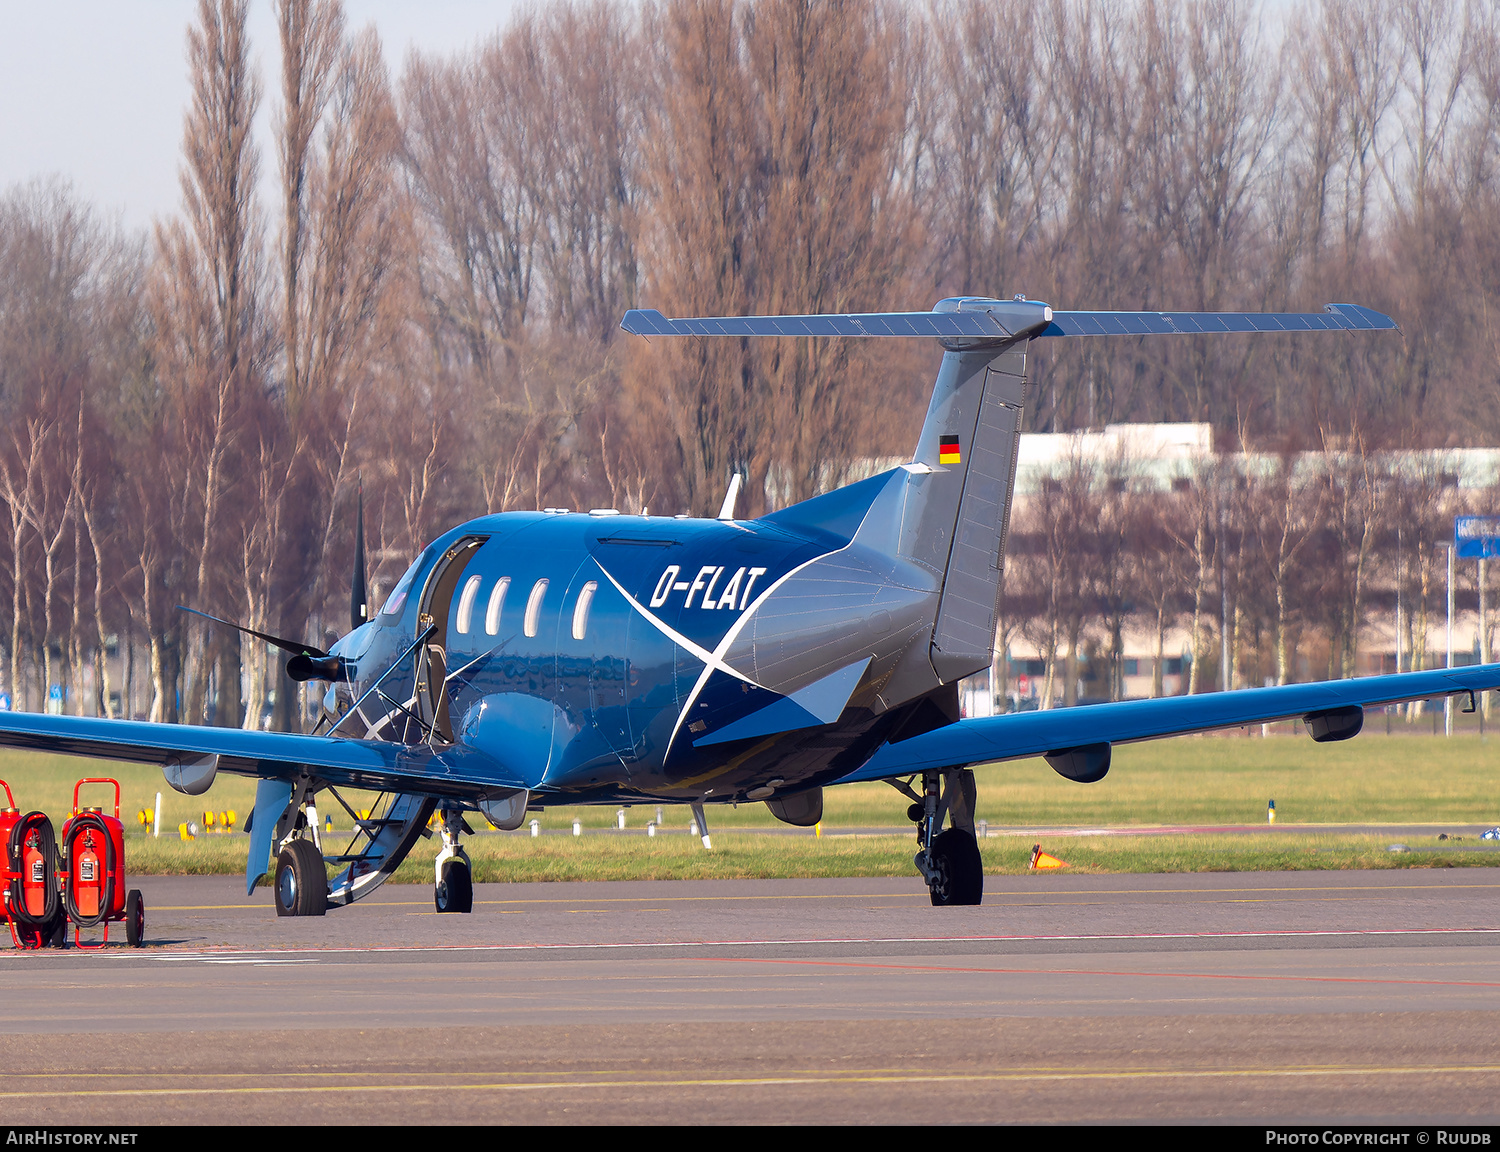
{"points": [[959, 497], [956, 508]]}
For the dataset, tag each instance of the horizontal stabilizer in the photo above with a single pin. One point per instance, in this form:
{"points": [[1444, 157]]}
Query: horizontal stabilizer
{"points": [[951, 325], [978, 319], [1018, 735], [821, 702], [1337, 318]]}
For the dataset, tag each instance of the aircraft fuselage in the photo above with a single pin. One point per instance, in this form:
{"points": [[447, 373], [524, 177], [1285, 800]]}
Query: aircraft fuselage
{"points": [[608, 658]]}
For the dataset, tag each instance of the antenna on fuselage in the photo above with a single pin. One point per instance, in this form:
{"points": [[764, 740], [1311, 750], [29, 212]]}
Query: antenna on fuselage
{"points": [[726, 510]]}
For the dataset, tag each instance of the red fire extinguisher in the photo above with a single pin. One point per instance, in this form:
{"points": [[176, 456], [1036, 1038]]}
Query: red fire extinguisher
{"points": [[28, 882], [93, 851]]}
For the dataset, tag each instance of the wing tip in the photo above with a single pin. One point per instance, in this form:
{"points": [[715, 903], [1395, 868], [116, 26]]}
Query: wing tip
{"points": [[1366, 319], [646, 322]]}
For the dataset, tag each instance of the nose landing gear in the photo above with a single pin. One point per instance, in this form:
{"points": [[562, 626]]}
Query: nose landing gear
{"points": [[454, 889]]}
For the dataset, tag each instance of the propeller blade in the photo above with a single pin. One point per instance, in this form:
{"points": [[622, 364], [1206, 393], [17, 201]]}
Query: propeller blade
{"points": [[359, 605], [296, 647]]}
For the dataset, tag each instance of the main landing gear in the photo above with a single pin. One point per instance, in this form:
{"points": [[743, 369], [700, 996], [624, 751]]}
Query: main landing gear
{"points": [[301, 880], [949, 858]]}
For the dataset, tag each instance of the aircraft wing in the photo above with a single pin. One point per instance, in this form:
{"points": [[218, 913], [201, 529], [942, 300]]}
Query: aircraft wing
{"points": [[1022, 734], [455, 771]]}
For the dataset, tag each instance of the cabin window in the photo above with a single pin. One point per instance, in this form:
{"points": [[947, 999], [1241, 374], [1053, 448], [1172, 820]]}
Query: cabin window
{"points": [[466, 603], [497, 602], [581, 609], [534, 607]]}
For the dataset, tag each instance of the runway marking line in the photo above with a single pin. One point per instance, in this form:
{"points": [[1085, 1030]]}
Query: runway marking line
{"points": [[1103, 972], [793, 1080], [381, 949], [995, 898]]}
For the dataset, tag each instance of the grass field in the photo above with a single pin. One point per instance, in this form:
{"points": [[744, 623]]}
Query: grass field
{"points": [[1196, 780]]}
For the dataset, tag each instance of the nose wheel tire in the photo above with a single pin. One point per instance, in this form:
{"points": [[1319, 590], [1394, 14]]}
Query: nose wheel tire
{"points": [[957, 870], [301, 880], [455, 891], [135, 918]]}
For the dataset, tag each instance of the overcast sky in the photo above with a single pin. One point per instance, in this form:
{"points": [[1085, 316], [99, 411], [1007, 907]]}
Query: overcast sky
{"points": [[94, 90]]}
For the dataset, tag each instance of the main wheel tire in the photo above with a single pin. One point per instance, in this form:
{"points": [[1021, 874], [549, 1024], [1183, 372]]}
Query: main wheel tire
{"points": [[301, 880], [957, 870], [455, 891], [135, 918]]}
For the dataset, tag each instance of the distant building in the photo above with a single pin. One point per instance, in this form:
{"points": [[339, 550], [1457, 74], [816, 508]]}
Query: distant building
{"points": [[1168, 457], [1161, 454]]}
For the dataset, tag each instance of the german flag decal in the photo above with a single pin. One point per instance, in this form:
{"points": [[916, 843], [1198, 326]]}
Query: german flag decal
{"points": [[948, 451]]}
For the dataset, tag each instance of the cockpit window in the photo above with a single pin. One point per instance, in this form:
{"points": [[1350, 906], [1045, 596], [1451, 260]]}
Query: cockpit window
{"points": [[397, 599]]}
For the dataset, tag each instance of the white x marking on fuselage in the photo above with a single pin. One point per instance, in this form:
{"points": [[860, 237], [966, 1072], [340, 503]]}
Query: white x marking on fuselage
{"points": [[712, 661]]}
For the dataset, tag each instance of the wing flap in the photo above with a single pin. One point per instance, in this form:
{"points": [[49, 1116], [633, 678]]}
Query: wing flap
{"points": [[1018, 735]]}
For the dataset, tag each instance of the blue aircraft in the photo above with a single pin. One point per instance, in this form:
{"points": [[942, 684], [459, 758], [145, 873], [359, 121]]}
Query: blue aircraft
{"points": [[533, 659]]}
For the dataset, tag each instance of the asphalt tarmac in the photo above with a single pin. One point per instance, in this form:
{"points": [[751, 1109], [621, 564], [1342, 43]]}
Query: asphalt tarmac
{"points": [[1254, 998]]}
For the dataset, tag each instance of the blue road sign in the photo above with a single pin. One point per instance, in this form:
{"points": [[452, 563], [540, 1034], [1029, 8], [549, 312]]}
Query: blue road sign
{"points": [[1477, 537]]}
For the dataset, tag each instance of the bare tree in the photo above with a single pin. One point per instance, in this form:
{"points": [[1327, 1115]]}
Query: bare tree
{"points": [[1055, 534], [1284, 510], [1157, 567], [311, 35], [206, 309], [1348, 530]]}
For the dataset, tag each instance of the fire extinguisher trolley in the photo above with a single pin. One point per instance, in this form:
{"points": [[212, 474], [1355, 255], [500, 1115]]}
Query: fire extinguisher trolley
{"points": [[30, 903], [93, 877]]}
